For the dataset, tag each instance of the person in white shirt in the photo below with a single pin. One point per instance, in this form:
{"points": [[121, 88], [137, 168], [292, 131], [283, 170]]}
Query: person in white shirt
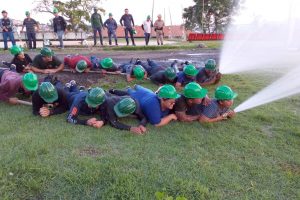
{"points": [[147, 26]]}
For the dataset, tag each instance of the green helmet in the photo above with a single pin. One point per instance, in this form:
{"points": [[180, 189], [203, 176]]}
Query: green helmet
{"points": [[95, 97], [81, 66], [194, 91], [107, 63], [110, 14], [30, 81], [125, 107], [133, 31], [224, 92], [55, 10], [16, 50], [190, 70], [139, 72], [27, 13], [170, 73], [48, 92], [148, 17], [168, 92], [46, 51], [210, 64]]}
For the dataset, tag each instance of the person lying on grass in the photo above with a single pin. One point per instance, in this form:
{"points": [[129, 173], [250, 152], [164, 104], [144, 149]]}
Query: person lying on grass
{"points": [[87, 103], [120, 107], [133, 72], [105, 65], [78, 63], [156, 107], [46, 62], [167, 76], [49, 100], [219, 108], [186, 76], [21, 60], [186, 106], [12, 83], [209, 75]]}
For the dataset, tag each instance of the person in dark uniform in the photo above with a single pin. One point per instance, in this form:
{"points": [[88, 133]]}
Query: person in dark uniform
{"points": [[127, 22], [167, 76], [87, 103], [21, 60], [209, 75], [111, 26], [97, 25], [49, 100], [186, 76], [187, 106], [123, 106], [30, 25], [46, 62]]}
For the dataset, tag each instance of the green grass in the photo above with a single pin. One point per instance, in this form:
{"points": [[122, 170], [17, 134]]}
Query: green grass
{"points": [[254, 156]]}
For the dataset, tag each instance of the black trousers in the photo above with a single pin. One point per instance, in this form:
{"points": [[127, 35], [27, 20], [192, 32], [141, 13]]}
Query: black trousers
{"points": [[31, 40]]}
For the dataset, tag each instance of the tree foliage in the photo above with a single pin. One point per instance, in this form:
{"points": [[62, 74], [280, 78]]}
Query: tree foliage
{"points": [[198, 15], [76, 12]]}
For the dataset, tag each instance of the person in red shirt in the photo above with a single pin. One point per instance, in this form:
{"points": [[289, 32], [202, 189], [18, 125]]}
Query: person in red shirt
{"points": [[78, 63]]}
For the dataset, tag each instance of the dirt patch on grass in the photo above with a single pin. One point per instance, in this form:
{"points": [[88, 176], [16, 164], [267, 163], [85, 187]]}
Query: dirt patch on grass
{"points": [[291, 168], [89, 152]]}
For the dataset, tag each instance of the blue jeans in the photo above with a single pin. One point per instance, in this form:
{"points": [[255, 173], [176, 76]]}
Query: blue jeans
{"points": [[147, 38], [99, 30], [31, 40], [112, 33], [60, 35], [9, 35]]}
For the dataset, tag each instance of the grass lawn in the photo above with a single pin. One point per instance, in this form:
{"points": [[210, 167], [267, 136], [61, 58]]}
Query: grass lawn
{"points": [[254, 156]]}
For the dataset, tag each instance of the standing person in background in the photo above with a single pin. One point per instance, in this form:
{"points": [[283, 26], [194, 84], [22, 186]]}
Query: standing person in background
{"points": [[159, 29], [111, 26], [30, 25], [59, 25], [126, 21], [6, 25], [146, 26], [97, 26]]}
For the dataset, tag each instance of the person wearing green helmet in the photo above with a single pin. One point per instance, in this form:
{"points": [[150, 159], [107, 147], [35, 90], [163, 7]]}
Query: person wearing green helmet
{"points": [[111, 26], [186, 106], [31, 27], [59, 26], [78, 63], [108, 65], [21, 60], [147, 28], [46, 62], [210, 74], [123, 106], [97, 25], [156, 107], [10, 84], [167, 76], [49, 100], [133, 71], [30, 81], [87, 103], [219, 108], [186, 76]]}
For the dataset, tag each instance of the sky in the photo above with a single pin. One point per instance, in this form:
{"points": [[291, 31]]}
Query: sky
{"points": [[138, 8]]}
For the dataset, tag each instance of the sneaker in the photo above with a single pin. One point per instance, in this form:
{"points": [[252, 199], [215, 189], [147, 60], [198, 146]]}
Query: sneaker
{"points": [[13, 67], [72, 82], [68, 85], [81, 88]]}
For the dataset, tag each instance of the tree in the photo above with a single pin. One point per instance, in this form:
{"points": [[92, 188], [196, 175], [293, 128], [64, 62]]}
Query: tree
{"points": [[76, 12], [198, 16]]}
